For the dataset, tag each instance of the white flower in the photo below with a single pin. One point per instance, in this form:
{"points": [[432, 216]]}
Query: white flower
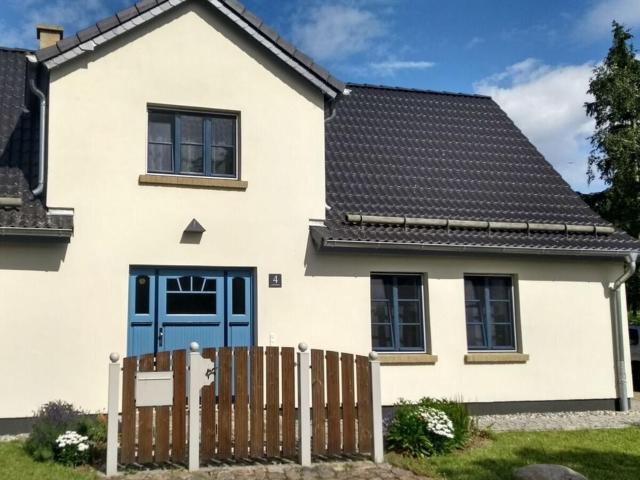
{"points": [[437, 422]]}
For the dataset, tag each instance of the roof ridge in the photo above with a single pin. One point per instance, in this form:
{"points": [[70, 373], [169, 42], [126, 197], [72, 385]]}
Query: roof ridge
{"points": [[415, 90], [15, 49]]}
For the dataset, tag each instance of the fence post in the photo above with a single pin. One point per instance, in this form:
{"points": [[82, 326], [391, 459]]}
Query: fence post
{"points": [[112, 415], [376, 408], [194, 408], [304, 413]]}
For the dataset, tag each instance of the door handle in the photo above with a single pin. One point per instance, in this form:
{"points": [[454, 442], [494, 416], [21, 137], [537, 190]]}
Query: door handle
{"points": [[160, 336]]}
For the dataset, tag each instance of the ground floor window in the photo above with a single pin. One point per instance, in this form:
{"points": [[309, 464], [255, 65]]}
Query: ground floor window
{"points": [[489, 312], [397, 313]]}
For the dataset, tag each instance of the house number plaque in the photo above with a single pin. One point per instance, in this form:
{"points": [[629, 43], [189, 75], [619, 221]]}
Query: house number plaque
{"points": [[275, 280]]}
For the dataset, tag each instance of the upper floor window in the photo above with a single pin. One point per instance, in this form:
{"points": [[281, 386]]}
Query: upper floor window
{"points": [[490, 312], [397, 319], [185, 143]]}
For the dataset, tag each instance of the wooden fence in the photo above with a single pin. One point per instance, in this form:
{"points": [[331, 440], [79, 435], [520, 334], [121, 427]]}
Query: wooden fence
{"points": [[249, 411]]}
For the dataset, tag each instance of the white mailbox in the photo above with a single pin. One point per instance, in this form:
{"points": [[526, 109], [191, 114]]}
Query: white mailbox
{"points": [[154, 389]]}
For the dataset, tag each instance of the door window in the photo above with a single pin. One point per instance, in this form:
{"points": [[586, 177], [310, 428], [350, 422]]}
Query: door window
{"points": [[191, 295]]}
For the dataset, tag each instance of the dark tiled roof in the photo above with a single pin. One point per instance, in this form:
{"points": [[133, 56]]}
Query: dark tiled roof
{"points": [[18, 149], [142, 7], [402, 152]]}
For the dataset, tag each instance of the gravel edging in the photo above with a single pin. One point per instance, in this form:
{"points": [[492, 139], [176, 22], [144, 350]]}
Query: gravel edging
{"points": [[532, 422]]}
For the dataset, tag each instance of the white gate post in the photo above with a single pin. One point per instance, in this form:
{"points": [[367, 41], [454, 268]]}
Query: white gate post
{"points": [[194, 408], [112, 415], [304, 406], [376, 407]]}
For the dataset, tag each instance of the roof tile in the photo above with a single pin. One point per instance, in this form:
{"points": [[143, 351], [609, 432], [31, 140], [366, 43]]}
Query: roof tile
{"points": [[108, 23], [127, 14]]}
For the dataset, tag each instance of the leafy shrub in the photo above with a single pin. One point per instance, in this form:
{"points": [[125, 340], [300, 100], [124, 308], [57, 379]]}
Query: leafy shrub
{"points": [[51, 420], [72, 449], [55, 419], [429, 427], [96, 431]]}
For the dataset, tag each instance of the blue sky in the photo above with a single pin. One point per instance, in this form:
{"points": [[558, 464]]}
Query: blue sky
{"points": [[534, 57]]}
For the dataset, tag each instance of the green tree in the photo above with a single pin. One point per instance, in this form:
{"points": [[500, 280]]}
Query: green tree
{"points": [[615, 154]]}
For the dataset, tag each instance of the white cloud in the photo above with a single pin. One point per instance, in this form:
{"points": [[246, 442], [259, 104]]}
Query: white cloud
{"points": [[596, 22], [475, 41], [547, 104], [73, 15], [336, 31], [390, 67]]}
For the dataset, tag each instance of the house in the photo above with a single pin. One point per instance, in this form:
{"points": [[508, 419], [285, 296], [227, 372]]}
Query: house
{"points": [[180, 172]]}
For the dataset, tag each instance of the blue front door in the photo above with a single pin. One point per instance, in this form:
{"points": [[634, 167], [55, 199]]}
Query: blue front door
{"points": [[170, 308]]}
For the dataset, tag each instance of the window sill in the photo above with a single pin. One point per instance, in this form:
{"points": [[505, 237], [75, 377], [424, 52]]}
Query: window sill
{"points": [[407, 359], [197, 182], [480, 358]]}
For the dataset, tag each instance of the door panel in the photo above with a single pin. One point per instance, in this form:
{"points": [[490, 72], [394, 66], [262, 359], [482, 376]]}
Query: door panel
{"points": [[142, 311], [190, 308], [239, 308]]}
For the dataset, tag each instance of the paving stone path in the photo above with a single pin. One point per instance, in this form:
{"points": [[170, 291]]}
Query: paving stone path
{"points": [[531, 422], [323, 471]]}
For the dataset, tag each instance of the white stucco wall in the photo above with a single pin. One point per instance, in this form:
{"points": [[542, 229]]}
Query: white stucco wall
{"points": [[63, 308]]}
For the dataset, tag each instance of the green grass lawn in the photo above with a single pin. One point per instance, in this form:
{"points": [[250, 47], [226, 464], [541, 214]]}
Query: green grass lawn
{"points": [[597, 454], [16, 464]]}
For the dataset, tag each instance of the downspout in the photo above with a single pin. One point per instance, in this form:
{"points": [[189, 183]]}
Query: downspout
{"points": [[43, 112], [618, 322]]}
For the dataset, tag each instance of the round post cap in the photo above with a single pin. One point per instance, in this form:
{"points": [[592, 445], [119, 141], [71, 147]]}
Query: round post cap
{"points": [[114, 357], [303, 347], [373, 356], [194, 346]]}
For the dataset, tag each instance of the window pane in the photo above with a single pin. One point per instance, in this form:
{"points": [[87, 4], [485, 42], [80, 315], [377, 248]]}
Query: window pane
{"points": [[474, 315], [238, 296], [172, 285], [185, 284], [634, 338], [409, 312], [381, 336], [197, 283], [475, 336], [160, 127], [142, 295], [500, 288], [474, 288], [502, 336], [191, 303], [224, 131], [381, 287], [408, 287], [191, 159], [410, 336], [209, 285], [380, 312], [191, 129], [500, 312], [160, 158], [223, 161]]}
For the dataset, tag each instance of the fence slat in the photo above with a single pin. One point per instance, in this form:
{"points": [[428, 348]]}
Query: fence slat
{"points": [[179, 409], [257, 402], [318, 446], [365, 418], [161, 451], [224, 402], [145, 419], [273, 402], [348, 405], [333, 403], [208, 418], [128, 445], [288, 402], [241, 404]]}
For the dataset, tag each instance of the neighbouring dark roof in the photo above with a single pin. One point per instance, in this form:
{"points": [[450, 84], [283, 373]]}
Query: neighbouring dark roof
{"points": [[18, 150], [403, 152], [108, 26]]}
